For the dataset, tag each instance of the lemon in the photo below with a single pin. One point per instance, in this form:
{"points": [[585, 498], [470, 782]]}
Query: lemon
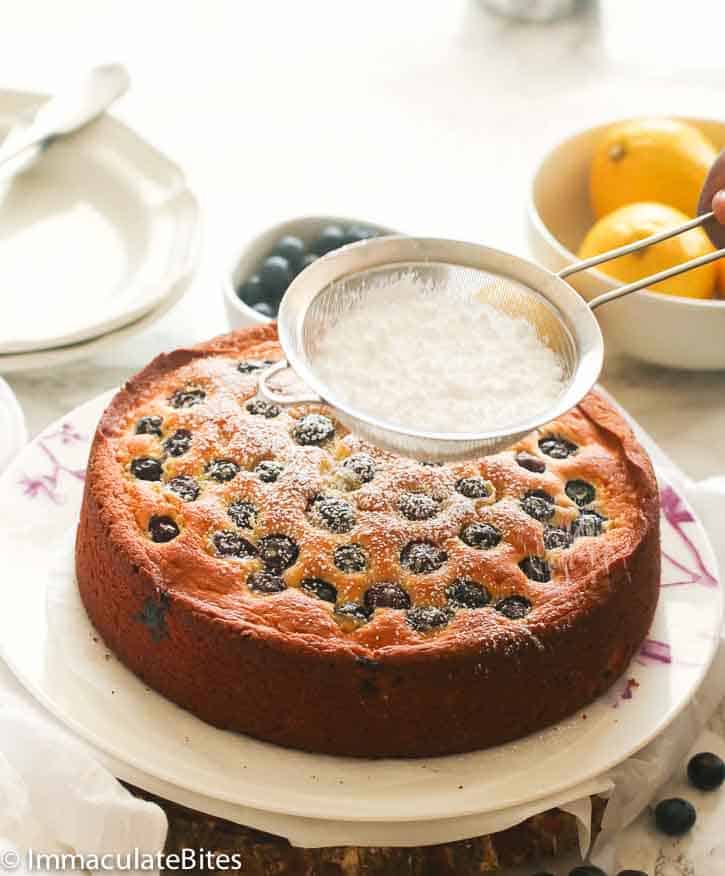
{"points": [[636, 221], [661, 160]]}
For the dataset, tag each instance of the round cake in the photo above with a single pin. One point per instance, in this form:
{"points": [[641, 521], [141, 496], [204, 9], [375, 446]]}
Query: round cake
{"points": [[270, 572]]}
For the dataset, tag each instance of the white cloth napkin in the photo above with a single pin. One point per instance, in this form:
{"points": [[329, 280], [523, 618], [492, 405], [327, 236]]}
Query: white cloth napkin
{"points": [[55, 795]]}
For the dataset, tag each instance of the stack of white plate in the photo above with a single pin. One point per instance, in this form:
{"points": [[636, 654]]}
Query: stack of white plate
{"points": [[99, 239]]}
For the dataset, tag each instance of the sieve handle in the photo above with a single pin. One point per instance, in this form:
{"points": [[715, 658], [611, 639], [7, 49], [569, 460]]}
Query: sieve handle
{"points": [[621, 291], [282, 398]]}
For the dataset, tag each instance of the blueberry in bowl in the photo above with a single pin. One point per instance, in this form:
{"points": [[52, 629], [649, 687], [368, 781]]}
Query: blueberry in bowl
{"points": [[261, 273]]}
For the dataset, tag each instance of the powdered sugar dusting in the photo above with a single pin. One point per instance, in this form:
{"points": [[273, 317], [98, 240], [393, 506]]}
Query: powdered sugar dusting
{"points": [[422, 358]]}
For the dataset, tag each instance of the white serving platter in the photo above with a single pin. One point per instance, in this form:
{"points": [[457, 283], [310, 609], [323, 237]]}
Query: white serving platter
{"points": [[98, 233], [48, 641]]}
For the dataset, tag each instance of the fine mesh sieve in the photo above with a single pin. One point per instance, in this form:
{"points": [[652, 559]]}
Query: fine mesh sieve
{"points": [[348, 278]]}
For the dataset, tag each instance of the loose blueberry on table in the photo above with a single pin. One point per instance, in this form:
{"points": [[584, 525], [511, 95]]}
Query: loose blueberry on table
{"points": [[675, 816], [706, 771], [263, 291], [587, 870]]}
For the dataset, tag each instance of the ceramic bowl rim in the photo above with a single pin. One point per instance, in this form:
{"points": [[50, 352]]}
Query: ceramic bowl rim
{"points": [[646, 296]]}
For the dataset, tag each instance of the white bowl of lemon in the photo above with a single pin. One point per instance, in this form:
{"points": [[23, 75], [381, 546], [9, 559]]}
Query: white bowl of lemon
{"points": [[617, 183]]}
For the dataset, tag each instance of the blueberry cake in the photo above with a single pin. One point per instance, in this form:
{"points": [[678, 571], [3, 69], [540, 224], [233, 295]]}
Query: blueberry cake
{"points": [[273, 574]]}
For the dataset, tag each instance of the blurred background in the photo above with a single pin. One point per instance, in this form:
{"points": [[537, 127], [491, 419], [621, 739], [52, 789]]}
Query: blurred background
{"points": [[422, 115]]}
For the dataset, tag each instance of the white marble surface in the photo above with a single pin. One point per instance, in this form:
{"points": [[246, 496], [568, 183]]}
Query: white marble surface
{"points": [[426, 116]]}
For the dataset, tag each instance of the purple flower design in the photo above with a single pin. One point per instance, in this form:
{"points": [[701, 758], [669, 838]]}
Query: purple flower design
{"points": [[654, 651], [67, 433], [48, 484], [677, 515]]}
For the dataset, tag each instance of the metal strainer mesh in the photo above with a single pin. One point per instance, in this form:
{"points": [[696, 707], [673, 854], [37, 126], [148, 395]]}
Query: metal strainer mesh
{"points": [[454, 286], [347, 279]]}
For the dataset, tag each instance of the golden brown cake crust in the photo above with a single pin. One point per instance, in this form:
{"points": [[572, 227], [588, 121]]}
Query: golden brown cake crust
{"points": [[323, 664]]}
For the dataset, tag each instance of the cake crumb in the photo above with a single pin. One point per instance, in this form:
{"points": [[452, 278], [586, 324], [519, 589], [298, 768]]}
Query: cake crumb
{"points": [[631, 684]]}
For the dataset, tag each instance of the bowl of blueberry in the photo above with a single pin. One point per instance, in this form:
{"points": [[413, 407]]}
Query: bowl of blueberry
{"points": [[254, 287]]}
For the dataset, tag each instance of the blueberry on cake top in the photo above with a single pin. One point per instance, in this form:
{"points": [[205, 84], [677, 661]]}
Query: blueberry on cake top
{"points": [[322, 593]]}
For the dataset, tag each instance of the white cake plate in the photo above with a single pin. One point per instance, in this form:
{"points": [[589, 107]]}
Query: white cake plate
{"points": [[48, 641]]}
